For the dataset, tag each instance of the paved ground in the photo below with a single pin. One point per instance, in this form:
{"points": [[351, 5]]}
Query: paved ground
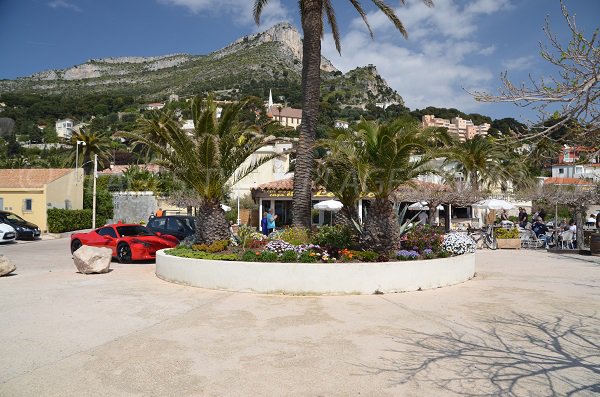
{"points": [[527, 325]]}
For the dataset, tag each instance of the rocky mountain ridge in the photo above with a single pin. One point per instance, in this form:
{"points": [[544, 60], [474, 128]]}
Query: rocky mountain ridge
{"points": [[272, 58]]}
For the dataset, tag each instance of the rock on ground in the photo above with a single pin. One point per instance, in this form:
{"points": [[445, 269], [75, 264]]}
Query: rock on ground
{"points": [[6, 266], [92, 259]]}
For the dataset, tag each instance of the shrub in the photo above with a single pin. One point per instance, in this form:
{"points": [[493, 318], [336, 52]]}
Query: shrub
{"points": [[194, 254], [295, 236], [458, 244], [60, 220], [339, 236], [217, 246], [267, 256], [249, 256], [308, 257], [200, 247], [423, 237], [407, 255], [428, 253], [247, 234], [278, 246], [256, 243], [289, 256], [502, 233], [366, 256]]}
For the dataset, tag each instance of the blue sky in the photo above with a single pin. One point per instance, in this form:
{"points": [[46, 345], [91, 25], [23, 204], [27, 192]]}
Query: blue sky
{"points": [[457, 45]]}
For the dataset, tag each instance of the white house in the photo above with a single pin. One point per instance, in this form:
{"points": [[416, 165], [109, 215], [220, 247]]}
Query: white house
{"points": [[154, 106], [273, 170], [64, 128]]}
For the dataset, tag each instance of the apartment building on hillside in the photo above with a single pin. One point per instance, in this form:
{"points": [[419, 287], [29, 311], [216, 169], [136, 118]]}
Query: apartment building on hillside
{"points": [[463, 129]]}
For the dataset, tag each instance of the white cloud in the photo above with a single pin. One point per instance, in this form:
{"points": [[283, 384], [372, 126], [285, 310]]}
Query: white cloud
{"points": [[439, 61], [487, 50], [520, 63], [240, 10], [64, 4]]}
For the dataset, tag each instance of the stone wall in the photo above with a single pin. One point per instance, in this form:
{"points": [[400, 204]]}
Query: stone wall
{"points": [[133, 207]]}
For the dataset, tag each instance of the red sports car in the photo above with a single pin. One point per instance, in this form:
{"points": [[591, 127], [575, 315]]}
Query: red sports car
{"points": [[129, 242]]}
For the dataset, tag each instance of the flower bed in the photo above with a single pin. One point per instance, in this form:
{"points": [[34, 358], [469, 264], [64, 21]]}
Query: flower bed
{"points": [[316, 278], [299, 266]]}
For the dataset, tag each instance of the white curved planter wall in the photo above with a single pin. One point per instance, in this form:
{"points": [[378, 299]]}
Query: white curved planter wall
{"points": [[315, 278]]}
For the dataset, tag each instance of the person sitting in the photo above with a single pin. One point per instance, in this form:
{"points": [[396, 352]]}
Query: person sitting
{"points": [[522, 217], [591, 221], [540, 229], [503, 215]]}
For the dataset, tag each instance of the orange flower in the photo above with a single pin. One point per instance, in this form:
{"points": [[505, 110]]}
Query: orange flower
{"points": [[257, 253], [312, 254]]}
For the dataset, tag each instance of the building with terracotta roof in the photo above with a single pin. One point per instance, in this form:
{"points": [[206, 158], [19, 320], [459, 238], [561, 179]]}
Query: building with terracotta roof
{"points": [[29, 193]]}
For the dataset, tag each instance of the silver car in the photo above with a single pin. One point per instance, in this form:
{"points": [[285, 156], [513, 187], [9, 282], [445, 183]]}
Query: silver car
{"points": [[7, 233]]}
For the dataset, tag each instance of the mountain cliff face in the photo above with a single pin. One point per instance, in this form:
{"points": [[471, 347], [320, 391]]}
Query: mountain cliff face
{"points": [[272, 58]]}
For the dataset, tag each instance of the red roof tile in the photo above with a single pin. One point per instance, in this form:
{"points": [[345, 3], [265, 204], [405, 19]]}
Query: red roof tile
{"points": [[30, 177], [567, 181]]}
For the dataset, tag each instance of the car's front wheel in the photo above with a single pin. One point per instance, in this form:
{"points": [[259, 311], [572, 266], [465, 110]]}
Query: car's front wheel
{"points": [[75, 245], [124, 253]]}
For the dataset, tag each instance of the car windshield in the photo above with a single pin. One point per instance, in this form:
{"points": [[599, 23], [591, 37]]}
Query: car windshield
{"points": [[134, 230], [13, 217]]}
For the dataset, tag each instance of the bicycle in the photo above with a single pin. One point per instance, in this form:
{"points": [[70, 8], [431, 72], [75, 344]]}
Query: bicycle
{"points": [[484, 237]]}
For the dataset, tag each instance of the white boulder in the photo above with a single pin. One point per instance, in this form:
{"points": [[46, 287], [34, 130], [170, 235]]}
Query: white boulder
{"points": [[92, 259], [6, 266]]}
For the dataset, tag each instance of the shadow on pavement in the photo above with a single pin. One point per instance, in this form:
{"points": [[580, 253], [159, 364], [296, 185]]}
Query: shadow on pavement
{"points": [[518, 355]]}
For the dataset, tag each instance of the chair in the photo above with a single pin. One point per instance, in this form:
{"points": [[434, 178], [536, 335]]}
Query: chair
{"points": [[566, 239], [529, 239]]}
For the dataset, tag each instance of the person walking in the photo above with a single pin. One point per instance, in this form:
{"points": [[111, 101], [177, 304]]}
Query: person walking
{"points": [[271, 217], [263, 224]]}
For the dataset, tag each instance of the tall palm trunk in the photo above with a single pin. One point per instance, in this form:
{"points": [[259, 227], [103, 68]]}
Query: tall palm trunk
{"points": [[346, 215], [211, 224], [381, 230], [312, 26]]}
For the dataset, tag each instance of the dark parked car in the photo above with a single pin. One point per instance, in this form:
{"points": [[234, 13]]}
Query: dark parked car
{"points": [[180, 226], [24, 229]]}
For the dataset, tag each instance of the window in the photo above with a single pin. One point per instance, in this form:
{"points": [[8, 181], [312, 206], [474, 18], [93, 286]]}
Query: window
{"points": [[107, 231], [27, 205], [68, 204], [159, 223], [579, 169], [561, 170], [175, 224]]}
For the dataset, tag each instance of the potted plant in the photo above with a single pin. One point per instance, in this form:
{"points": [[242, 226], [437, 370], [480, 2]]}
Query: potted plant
{"points": [[508, 238]]}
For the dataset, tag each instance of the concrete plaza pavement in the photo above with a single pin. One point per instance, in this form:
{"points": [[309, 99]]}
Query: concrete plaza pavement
{"points": [[528, 324]]}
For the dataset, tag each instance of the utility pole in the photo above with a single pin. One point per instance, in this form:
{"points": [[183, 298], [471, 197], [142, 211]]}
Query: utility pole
{"points": [[94, 192]]}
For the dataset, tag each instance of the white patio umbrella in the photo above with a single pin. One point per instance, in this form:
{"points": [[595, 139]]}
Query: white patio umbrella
{"points": [[418, 206], [422, 206], [494, 204], [328, 205], [226, 208]]}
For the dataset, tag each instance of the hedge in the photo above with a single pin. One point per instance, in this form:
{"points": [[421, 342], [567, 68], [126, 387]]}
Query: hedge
{"points": [[60, 220]]}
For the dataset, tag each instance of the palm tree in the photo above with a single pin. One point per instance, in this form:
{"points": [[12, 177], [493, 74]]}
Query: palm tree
{"points": [[95, 143], [207, 159], [481, 161], [378, 158], [338, 172], [311, 13]]}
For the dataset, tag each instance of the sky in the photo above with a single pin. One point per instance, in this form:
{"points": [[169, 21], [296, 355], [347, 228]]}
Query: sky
{"points": [[456, 47]]}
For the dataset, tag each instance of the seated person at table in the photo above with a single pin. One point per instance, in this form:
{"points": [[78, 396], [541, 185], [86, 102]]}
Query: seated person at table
{"points": [[591, 221], [540, 229]]}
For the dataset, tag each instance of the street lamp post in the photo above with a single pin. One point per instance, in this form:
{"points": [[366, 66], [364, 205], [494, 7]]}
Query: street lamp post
{"points": [[238, 204], [94, 192], [77, 159]]}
